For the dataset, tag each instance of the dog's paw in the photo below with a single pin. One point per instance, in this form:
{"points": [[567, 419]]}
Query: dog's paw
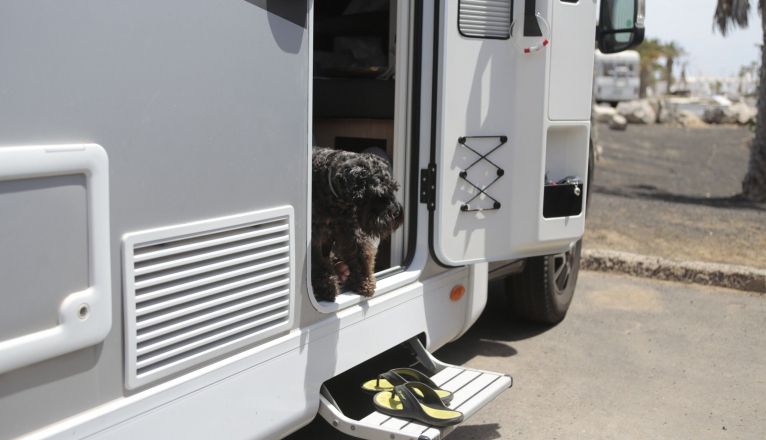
{"points": [[366, 288], [325, 290]]}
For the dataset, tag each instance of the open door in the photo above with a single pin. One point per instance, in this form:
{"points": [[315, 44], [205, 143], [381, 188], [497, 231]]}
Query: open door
{"points": [[495, 148]]}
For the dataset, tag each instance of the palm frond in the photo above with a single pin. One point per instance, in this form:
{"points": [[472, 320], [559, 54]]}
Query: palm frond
{"points": [[731, 14]]}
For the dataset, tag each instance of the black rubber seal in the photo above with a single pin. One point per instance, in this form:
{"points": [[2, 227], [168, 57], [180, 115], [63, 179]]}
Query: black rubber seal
{"points": [[531, 26]]}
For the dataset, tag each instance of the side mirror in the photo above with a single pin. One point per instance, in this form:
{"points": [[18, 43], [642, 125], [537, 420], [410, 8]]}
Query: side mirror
{"points": [[620, 25]]}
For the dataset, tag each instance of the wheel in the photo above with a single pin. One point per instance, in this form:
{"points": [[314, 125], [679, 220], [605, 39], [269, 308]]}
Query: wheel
{"points": [[543, 291]]}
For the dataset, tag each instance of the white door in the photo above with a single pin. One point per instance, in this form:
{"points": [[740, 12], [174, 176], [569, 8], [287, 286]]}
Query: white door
{"points": [[492, 126]]}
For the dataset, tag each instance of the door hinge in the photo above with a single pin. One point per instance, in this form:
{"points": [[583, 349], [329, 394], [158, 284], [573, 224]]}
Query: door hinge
{"points": [[428, 186]]}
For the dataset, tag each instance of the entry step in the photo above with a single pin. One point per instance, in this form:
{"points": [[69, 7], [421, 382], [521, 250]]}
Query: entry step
{"points": [[472, 390]]}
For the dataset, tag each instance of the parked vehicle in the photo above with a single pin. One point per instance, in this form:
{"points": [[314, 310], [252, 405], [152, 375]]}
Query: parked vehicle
{"points": [[155, 181], [617, 77]]}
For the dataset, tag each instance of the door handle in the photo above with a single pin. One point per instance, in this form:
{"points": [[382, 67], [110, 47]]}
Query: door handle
{"points": [[531, 26]]}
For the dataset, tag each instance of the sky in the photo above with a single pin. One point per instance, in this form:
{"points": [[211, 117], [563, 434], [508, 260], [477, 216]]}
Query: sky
{"points": [[689, 23]]}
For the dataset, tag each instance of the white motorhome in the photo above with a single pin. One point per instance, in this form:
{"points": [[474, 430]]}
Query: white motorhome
{"points": [[617, 77], [155, 185]]}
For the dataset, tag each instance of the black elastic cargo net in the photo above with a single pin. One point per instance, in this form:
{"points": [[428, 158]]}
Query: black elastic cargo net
{"points": [[466, 207]]}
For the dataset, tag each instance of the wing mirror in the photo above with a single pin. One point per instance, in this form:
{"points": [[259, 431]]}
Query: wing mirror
{"points": [[620, 25]]}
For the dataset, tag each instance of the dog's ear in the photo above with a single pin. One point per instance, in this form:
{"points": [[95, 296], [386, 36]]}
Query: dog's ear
{"points": [[353, 179], [360, 182]]}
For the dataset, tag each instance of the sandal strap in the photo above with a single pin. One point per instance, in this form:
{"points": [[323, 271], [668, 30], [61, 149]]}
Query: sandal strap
{"points": [[428, 396], [409, 400], [416, 376], [412, 406], [392, 378]]}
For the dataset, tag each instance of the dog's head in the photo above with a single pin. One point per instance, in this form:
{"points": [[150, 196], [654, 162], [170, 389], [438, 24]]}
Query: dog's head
{"points": [[368, 184]]}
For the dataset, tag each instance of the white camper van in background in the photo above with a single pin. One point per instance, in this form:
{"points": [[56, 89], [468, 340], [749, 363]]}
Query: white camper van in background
{"points": [[617, 77], [155, 185]]}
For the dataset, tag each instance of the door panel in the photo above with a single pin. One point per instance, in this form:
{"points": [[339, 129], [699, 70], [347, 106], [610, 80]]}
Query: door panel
{"points": [[489, 145]]}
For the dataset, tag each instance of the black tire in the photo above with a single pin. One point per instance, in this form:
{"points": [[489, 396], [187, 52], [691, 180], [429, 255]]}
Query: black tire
{"points": [[544, 290]]}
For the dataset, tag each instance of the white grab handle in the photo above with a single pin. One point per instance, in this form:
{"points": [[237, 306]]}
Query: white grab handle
{"points": [[84, 317]]}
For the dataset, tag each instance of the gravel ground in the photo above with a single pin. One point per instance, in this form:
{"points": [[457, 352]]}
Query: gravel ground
{"points": [[672, 192]]}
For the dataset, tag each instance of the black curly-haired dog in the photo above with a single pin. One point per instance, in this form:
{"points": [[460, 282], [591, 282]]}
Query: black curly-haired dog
{"points": [[353, 207]]}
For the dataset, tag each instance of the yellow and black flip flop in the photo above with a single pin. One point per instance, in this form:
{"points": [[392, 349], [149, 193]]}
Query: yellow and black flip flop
{"points": [[424, 407], [399, 376]]}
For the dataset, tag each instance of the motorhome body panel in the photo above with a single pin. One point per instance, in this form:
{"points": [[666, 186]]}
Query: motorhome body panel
{"points": [[239, 398], [176, 94], [203, 110]]}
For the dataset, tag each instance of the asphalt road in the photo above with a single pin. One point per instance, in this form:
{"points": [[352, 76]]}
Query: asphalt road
{"points": [[634, 359], [672, 192]]}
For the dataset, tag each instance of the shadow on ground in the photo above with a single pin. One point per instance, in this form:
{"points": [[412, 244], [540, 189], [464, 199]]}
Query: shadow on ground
{"points": [[651, 192], [491, 334], [489, 431]]}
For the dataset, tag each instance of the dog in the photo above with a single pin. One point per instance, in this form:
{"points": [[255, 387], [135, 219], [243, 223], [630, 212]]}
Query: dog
{"points": [[354, 206]]}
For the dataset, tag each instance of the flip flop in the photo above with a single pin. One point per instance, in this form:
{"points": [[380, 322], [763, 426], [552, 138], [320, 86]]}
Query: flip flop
{"points": [[399, 376], [428, 408]]}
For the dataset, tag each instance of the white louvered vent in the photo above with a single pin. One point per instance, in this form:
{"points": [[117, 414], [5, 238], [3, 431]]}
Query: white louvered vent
{"points": [[198, 291], [485, 18]]}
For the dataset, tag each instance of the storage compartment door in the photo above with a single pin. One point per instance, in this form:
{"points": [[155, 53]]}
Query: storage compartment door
{"points": [[572, 55], [54, 254]]}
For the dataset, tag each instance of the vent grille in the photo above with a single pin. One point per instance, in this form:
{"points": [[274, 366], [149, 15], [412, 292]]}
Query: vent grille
{"points": [[485, 18], [196, 292]]}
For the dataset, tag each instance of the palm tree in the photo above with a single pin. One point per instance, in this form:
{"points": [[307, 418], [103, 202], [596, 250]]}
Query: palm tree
{"points": [[730, 14], [650, 50], [748, 71], [671, 52], [742, 74]]}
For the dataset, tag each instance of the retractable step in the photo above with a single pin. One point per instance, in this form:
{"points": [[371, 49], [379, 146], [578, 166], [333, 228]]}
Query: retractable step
{"points": [[472, 390]]}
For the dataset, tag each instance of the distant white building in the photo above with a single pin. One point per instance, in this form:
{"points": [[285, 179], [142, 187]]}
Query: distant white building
{"points": [[706, 86]]}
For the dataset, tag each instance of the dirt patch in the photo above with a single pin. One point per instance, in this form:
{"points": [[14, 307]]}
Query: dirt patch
{"points": [[673, 192]]}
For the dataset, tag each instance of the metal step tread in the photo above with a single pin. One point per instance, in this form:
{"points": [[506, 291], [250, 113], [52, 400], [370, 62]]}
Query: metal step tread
{"points": [[472, 390]]}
